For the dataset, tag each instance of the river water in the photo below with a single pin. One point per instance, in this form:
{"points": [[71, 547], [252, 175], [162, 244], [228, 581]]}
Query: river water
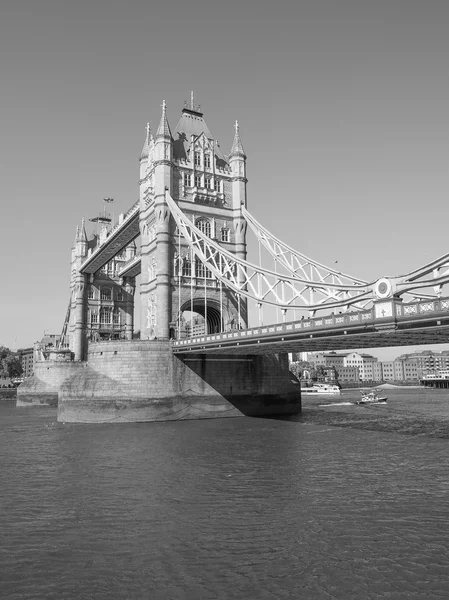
{"points": [[346, 502]]}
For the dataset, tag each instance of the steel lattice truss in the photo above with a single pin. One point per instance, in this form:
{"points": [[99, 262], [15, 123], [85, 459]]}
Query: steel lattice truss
{"points": [[306, 284]]}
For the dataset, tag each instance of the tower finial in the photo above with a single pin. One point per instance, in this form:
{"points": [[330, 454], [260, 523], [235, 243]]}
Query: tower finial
{"points": [[164, 128], [237, 147]]}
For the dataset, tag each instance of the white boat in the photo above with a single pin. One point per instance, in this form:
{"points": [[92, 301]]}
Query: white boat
{"points": [[371, 397], [321, 388]]}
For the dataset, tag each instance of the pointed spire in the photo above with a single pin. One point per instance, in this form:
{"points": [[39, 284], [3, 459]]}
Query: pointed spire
{"points": [[237, 148], [82, 232], [77, 234], [146, 146], [164, 128]]}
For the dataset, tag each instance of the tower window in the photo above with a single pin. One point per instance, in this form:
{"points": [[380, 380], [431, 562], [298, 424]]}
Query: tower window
{"points": [[119, 296], [187, 179], [208, 183], [91, 293], [207, 161], [201, 271], [106, 294], [105, 316], [94, 318], [217, 185], [187, 268], [197, 159], [225, 234], [204, 226], [198, 181], [116, 317]]}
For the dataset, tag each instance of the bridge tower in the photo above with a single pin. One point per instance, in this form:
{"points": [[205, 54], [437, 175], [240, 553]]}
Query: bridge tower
{"points": [[177, 292]]}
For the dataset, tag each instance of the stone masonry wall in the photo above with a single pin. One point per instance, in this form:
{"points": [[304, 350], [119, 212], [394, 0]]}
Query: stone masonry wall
{"points": [[144, 381], [44, 385]]}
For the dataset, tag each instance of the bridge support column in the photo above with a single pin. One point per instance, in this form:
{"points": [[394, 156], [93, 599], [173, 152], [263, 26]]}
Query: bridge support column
{"points": [[80, 312], [163, 298], [129, 317]]}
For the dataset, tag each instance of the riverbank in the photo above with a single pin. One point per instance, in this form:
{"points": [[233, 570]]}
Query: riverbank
{"points": [[7, 393]]}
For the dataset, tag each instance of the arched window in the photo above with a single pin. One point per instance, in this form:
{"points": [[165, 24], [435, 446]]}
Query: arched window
{"points": [[91, 293], [106, 294], [204, 225]]}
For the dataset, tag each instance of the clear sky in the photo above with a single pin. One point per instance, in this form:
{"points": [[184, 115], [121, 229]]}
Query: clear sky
{"points": [[343, 107]]}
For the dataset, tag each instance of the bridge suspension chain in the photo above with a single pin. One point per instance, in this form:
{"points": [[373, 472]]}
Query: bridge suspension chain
{"points": [[297, 263], [263, 285]]}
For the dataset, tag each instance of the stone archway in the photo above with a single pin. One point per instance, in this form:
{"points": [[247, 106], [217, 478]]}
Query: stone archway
{"points": [[198, 318]]}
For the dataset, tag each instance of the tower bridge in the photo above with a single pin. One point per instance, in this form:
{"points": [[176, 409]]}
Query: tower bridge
{"points": [[203, 348]]}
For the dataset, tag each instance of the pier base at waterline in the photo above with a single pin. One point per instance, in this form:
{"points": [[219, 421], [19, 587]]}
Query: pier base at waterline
{"points": [[43, 387], [132, 381]]}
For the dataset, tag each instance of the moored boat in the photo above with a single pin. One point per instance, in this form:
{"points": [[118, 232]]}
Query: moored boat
{"points": [[321, 388]]}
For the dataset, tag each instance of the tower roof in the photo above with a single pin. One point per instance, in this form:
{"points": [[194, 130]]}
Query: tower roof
{"points": [[191, 124], [237, 147], [164, 128]]}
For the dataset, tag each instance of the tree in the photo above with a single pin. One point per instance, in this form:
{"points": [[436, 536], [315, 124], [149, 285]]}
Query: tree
{"points": [[10, 365], [298, 367]]}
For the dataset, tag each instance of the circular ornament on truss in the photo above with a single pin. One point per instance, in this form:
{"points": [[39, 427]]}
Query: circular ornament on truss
{"points": [[383, 288]]}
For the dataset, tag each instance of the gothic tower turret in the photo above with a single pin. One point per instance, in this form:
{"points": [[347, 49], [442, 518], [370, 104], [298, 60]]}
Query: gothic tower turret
{"points": [[155, 231], [237, 161], [210, 188]]}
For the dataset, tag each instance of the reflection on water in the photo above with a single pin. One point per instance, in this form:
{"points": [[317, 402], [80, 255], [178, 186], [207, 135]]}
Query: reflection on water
{"points": [[233, 508]]}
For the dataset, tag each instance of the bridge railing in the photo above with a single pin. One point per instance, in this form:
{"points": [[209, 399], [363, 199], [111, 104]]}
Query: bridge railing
{"points": [[404, 312]]}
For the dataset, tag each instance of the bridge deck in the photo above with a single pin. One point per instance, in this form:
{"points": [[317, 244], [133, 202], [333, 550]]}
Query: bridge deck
{"points": [[419, 323]]}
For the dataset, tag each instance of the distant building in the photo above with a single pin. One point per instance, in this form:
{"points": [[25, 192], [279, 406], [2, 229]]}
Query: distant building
{"points": [[348, 374], [50, 339], [25, 355]]}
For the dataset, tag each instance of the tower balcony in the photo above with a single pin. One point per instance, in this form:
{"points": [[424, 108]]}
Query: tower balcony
{"points": [[207, 196]]}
